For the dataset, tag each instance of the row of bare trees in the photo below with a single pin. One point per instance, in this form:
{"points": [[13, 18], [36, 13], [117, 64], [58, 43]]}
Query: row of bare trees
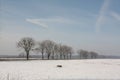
{"points": [[51, 50], [87, 55], [47, 48]]}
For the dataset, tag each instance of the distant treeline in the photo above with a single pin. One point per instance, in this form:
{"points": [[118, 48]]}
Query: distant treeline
{"points": [[22, 56], [51, 50]]}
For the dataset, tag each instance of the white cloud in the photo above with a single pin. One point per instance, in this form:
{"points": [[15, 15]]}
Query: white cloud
{"points": [[115, 15], [44, 22], [101, 17], [37, 22]]}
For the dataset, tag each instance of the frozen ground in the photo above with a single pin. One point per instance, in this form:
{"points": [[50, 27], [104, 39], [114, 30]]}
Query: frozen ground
{"points": [[96, 69]]}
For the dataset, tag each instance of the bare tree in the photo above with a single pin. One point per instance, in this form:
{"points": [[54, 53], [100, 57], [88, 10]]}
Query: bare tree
{"points": [[65, 51], [83, 54], [93, 54], [78, 51], [41, 48], [49, 46], [56, 51], [70, 51], [27, 44], [60, 50]]}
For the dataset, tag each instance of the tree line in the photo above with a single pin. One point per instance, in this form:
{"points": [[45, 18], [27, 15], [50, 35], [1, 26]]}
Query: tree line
{"points": [[87, 55], [51, 50]]}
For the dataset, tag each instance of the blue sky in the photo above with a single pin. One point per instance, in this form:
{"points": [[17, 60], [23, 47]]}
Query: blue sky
{"points": [[93, 25]]}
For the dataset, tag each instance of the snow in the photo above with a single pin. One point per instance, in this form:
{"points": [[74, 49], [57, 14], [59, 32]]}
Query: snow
{"points": [[100, 69]]}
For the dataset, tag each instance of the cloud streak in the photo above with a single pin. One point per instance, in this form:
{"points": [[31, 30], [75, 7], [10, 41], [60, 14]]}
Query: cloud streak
{"points": [[101, 17], [44, 22], [37, 22], [115, 15]]}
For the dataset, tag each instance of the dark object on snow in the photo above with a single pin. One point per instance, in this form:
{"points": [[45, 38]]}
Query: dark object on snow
{"points": [[59, 65]]}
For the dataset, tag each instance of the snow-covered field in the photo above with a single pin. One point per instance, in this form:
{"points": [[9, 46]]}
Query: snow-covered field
{"points": [[96, 69]]}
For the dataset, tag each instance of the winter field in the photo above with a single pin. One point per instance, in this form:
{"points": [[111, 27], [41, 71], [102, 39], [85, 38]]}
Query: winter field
{"points": [[94, 69]]}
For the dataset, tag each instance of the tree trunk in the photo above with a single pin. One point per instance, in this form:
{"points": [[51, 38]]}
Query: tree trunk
{"points": [[64, 56], [53, 55], [56, 56], [60, 55], [48, 56], [67, 55], [70, 55], [27, 55], [42, 56]]}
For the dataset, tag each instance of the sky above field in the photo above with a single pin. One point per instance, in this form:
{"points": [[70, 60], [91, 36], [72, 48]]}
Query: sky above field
{"points": [[93, 25]]}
